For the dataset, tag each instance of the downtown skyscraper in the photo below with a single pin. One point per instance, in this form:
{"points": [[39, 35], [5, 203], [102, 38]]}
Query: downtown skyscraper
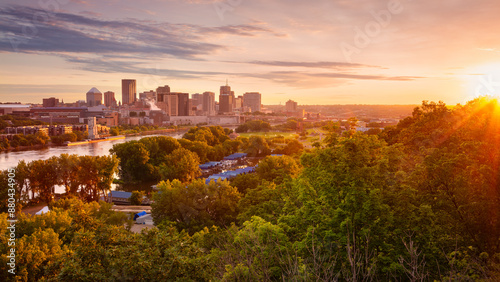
{"points": [[129, 91], [226, 99]]}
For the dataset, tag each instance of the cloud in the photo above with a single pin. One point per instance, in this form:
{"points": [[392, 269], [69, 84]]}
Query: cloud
{"points": [[325, 65], [309, 80], [25, 29], [298, 79], [112, 64]]}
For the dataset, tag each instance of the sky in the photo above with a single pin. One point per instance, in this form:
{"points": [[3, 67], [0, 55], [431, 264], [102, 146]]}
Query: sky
{"points": [[313, 52]]}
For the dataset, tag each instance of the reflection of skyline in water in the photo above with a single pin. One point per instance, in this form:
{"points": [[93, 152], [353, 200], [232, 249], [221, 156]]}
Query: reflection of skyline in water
{"points": [[11, 159]]}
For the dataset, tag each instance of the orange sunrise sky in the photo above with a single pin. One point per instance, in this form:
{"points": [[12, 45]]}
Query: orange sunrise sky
{"points": [[313, 52]]}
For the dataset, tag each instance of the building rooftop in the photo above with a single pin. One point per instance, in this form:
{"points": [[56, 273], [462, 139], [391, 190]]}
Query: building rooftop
{"points": [[94, 90], [120, 194], [14, 106]]}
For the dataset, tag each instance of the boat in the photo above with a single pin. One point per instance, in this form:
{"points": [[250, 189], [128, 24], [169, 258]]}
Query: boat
{"points": [[94, 140]]}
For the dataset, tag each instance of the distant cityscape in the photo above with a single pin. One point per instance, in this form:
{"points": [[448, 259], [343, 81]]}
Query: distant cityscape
{"points": [[161, 107]]}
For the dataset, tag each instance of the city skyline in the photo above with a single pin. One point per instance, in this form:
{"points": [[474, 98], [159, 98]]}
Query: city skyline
{"points": [[321, 52]]}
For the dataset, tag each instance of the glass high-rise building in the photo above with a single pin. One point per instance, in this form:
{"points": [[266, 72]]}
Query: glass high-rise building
{"points": [[209, 103], [252, 100], [109, 99], [129, 91], [226, 99], [94, 97]]}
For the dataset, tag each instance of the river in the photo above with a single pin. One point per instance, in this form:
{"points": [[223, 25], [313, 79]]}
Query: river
{"points": [[12, 158]]}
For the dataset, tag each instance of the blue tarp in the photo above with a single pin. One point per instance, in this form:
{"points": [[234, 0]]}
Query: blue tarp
{"points": [[209, 165], [120, 194], [142, 213], [235, 156], [229, 174]]}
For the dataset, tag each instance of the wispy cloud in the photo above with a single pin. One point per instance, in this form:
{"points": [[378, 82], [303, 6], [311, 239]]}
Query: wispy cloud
{"points": [[72, 33], [324, 65], [299, 79]]}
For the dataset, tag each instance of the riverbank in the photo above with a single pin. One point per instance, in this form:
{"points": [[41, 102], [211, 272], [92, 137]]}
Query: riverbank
{"points": [[11, 158], [153, 132], [51, 145], [26, 148], [94, 141]]}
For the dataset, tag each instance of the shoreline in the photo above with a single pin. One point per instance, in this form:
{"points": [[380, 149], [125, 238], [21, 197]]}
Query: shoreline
{"points": [[49, 144]]}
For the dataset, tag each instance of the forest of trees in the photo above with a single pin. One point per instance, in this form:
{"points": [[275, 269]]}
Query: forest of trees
{"points": [[85, 177], [420, 201]]}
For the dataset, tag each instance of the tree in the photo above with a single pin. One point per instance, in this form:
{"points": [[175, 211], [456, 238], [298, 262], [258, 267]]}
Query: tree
{"points": [[115, 131], [136, 198], [265, 201], [134, 162], [196, 205], [68, 169], [277, 169], [373, 131], [258, 146], [181, 164], [293, 147], [43, 177], [245, 182], [256, 253], [159, 147], [38, 255]]}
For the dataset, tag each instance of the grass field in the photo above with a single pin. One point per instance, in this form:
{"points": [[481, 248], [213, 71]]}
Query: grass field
{"points": [[269, 134]]}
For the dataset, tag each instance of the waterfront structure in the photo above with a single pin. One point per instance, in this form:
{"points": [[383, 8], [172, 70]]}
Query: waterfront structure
{"points": [[94, 97], [93, 133], [253, 101], [15, 109], [59, 114], [49, 130], [129, 91]]}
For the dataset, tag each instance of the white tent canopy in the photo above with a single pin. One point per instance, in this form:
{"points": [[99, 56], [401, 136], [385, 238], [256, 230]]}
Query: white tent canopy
{"points": [[44, 210]]}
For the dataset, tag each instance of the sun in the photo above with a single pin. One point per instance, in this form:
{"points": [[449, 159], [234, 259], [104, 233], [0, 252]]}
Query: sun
{"points": [[484, 80]]}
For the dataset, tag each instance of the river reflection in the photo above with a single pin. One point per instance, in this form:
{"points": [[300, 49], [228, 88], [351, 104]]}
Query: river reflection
{"points": [[10, 159]]}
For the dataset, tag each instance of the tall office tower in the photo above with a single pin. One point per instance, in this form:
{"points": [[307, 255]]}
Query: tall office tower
{"points": [[226, 99], [50, 102], [252, 100], [225, 103], [129, 91], [183, 102], [209, 103], [291, 106], [94, 97], [226, 89], [173, 103], [238, 102], [161, 92], [109, 99], [148, 95], [196, 99]]}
